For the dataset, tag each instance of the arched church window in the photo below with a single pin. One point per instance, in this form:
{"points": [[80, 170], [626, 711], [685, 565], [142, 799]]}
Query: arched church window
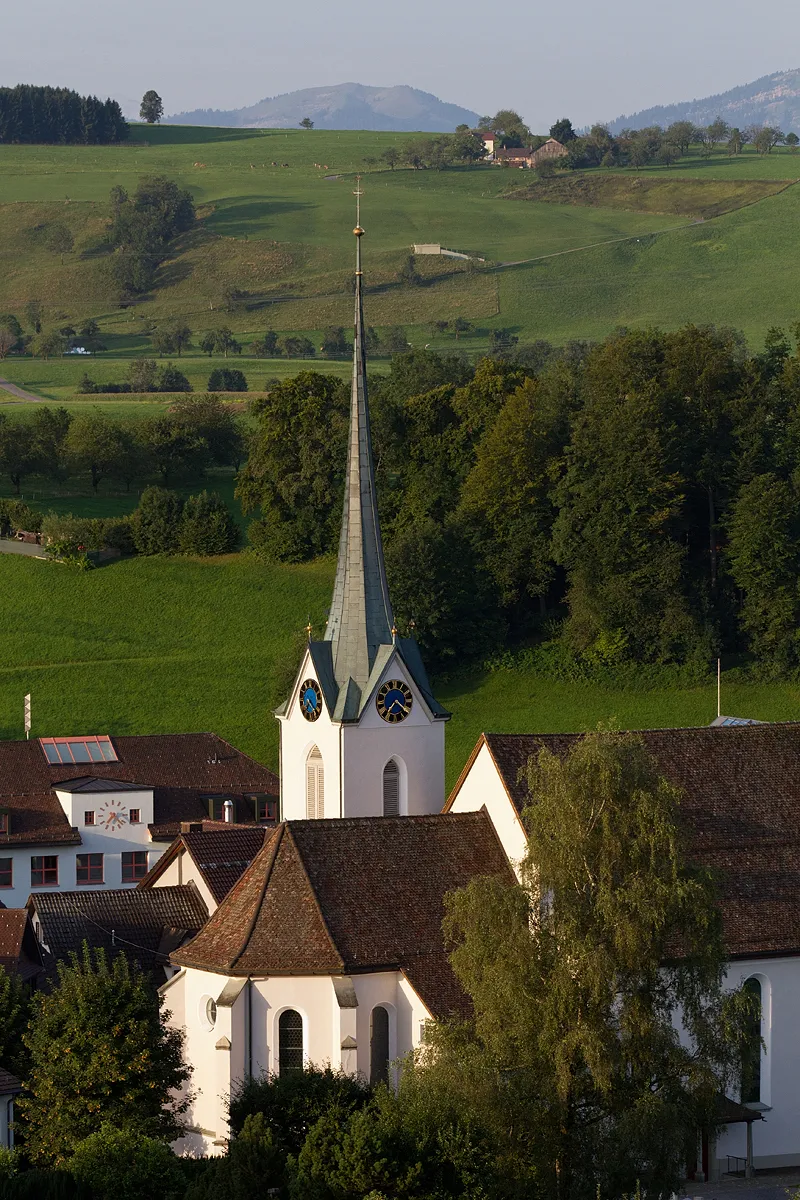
{"points": [[379, 1046], [751, 1058], [315, 784], [290, 1042], [391, 789]]}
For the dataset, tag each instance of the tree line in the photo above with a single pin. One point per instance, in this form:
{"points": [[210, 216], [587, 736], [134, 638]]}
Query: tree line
{"points": [[637, 498], [196, 433], [31, 114]]}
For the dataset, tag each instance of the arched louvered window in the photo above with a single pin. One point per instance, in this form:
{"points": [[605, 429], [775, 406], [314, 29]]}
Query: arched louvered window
{"points": [[751, 1057], [391, 789], [379, 1046], [315, 784], [290, 1042]]}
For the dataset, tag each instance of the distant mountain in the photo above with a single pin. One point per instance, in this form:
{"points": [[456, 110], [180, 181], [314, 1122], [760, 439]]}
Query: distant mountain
{"points": [[344, 106], [771, 100]]}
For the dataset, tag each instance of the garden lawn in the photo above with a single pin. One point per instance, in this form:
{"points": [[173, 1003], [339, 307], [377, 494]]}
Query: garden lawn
{"points": [[178, 645]]}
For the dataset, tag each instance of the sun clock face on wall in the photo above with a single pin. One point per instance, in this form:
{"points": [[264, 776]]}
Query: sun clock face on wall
{"points": [[310, 700], [112, 816], [394, 701]]}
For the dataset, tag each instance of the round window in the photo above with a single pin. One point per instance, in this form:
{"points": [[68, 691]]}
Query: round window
{"points": [[208, 1012]]}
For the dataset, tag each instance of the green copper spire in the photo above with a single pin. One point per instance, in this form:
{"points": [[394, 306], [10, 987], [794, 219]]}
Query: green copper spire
{"points": [[360, 619]]}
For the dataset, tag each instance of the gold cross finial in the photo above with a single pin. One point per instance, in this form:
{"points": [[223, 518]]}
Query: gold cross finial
{"points": [[309, 628]]}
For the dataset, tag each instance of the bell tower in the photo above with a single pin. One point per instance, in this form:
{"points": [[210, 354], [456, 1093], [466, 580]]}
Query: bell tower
{"points": [[361, 733]]}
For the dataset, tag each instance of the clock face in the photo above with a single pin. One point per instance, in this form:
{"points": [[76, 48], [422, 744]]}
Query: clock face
{"points": [[310, 700], [394, 701], [112, 816]]}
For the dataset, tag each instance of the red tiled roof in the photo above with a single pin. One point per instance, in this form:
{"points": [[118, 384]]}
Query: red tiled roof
{"points": [[351, 896], [221, 853], [182, 769], [740, 809]]}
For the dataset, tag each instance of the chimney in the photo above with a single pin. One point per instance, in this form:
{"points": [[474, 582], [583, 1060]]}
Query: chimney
{"points": [[227, 809]]}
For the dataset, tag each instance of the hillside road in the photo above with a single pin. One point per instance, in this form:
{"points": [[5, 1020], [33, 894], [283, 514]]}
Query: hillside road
{"points": [[20, 394]]}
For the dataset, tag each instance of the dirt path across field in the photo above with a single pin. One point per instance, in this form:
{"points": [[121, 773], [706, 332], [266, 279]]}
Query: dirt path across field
{"points": [[12, 388]]}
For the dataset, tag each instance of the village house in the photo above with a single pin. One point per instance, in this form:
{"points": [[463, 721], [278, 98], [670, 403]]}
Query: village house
{"points": [[98, 811]]}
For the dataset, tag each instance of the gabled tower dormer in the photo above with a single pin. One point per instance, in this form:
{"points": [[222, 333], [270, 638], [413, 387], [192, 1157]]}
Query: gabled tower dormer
{"points": [[361, 733]]}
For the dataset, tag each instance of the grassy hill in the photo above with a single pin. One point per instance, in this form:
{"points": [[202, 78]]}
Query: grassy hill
{"points": [[157, 645], [706, 240]]}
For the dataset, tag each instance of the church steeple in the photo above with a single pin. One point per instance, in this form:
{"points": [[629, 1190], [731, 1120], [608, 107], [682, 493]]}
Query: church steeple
{"points": [[360, 619]]}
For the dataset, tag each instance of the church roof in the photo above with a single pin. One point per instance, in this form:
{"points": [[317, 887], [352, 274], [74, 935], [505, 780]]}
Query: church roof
{"points": [[740, 808], [360, 619], [349, 896]]}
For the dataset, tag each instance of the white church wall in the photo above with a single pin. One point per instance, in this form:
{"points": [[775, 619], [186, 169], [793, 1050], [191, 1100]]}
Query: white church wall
{"points": [[776, 1139], [483, 787]]}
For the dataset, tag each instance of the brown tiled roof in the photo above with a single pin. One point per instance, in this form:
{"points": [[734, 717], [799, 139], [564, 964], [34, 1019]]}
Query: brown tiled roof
{"points": [[182, 769], [740, 809], [351, 896], [143, 925], [221, 853], [19, 949]]}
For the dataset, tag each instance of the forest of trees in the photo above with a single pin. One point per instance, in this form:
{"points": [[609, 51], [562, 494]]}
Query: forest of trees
{"points": [[58, 115], [638, 498]]}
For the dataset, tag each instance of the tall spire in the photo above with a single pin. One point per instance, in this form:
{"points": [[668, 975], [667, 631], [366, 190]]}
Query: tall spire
{"points": [[360, 618]]}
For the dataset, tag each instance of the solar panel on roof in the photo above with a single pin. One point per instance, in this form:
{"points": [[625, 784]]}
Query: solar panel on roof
{"points": [[93, 748]]}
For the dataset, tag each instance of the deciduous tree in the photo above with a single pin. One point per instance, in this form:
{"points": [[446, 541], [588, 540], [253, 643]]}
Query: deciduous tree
{"points": [[123, 1065], [151, 109]]}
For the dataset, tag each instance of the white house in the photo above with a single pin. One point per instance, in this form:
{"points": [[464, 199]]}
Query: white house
{"points": [[97, 812]]}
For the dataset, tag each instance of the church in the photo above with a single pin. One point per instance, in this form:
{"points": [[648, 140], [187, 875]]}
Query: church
{"points": [[325, 945]]}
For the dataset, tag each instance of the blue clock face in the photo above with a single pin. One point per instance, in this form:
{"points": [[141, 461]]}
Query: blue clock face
{"points": [[394, 701], [310, 700]]}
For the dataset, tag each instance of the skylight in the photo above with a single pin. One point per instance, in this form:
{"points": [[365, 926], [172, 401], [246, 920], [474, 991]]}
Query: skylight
{"points": [[94, 749]]}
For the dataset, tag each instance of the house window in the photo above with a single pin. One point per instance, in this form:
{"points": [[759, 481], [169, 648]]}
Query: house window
{"points": [[88, 817], [3, 822], [44, 870], [134, 816], [134, 865], [290, 1042], [751, 1059], [391, 789], [78, 750], [379, 1046], [265, 808], [6, 872], [315, 784], [89, 868]]}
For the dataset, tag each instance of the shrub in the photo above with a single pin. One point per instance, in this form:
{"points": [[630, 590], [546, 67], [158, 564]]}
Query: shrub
{"points": [[42, 1185], [207, 526], [122, 1164], [291, 1104], [15, 515], [155, 526], [227, 379], [266, 346], [67, 534], [170, 379]]}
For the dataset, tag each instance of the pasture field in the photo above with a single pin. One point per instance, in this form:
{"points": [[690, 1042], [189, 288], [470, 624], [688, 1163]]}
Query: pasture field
{"points": [[157, 645], [704, 240]]}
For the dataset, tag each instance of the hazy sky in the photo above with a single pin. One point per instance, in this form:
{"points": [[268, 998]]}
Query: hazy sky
{"points": [[586, 60]]}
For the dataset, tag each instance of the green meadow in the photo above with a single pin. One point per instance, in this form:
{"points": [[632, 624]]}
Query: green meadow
{"points": [[157, 645]]}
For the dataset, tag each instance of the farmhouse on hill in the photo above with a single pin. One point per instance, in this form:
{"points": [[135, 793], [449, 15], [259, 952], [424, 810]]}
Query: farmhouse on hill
{"points": [[522, 156]]}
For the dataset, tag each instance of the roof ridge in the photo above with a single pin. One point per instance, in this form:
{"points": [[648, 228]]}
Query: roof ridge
{"points": [[577, 733], [273, 845], [315, 898]]}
